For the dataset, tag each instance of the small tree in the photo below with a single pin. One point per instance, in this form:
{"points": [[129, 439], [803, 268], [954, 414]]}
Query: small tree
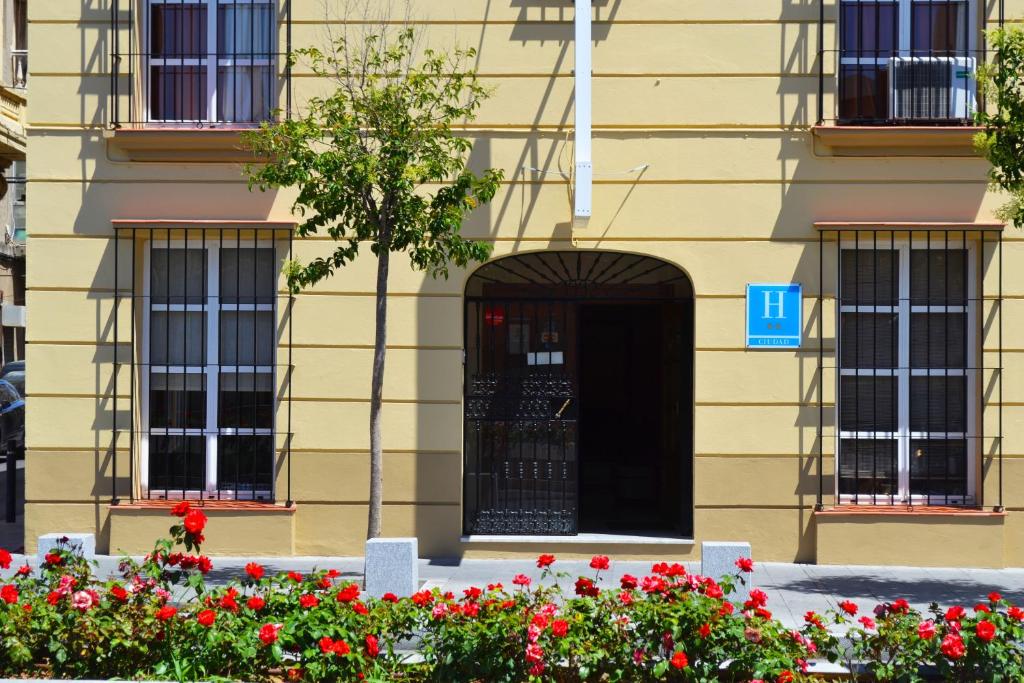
{"points": [[1002, 140], [377, 163]]}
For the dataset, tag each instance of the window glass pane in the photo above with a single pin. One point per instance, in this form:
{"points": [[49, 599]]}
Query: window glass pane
{"points": [[869, 30], [178, 30], [240, 283], [937, 340], [869, 340], [244, 30], [245, 93], [175, 273], [245, 464], [938, 277], [938, 467], [177, 463], [177, 93], [937, 28], [863, 92], [246, 400], [868, 466], [177, 400], [178, 338], [869, 277], [938, 404], [867, 404], [247, 337]]}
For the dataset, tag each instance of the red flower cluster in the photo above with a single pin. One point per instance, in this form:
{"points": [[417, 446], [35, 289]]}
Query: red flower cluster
{"points": [[9, 594], [600, 562], [166, 612], [332, 647], [255, 571], [206, 617], [268, 633], [745, 564], [308, 601], [348, 593], [849, 607], [5, 559], [545, 561]]}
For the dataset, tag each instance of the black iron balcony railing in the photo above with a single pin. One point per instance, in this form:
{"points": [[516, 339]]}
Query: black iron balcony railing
{"points": [[903, 62], [199, 62]]}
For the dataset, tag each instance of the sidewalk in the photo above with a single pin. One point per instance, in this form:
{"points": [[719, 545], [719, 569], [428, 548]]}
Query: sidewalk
{"points": [[792, 589]]}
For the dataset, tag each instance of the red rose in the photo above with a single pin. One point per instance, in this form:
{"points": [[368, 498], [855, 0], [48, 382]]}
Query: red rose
{"points": [[985, 630], [599, 562], [255, 603], [420, 599], [926, 630], [204, 564], [628, 581], [679, 660], [1015, 613], [181, 509], [228, 601], [9, 594], [955, 613], [586, 588], [53, 559], [659, 568], [545, 561], [295, 673], [268, 633], [745, 564], [206, 617], [335, 647], [53, 597], [901, 606], [24, 570], [559, 627], [195, 521], [994, 597], [812, 618], [360, 608], [389, 597], [785, 677], [626, 598], [348, 593], [472, 593], [953, 646], [521, 580], [982, 608], [867, 622], [849, 607], [758, 598], [295, 576], [307, 601], [255, 571], [372, 646], [704, 630], [5, 559], [119, 593], [166, 612]]}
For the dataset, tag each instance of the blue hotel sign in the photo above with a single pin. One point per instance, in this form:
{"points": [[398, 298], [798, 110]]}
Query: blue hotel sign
{"points": [[774, 316]]}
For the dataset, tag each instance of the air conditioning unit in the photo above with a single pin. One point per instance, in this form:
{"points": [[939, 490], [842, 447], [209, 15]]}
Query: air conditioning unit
{"points": [[932, 88]]}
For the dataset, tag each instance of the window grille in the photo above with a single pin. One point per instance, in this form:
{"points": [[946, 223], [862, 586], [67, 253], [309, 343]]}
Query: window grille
{"points": [[917, 365], [199, 62], [903, 62], [208, 352]]}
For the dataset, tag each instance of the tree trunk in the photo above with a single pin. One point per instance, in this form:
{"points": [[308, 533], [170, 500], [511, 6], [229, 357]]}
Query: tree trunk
{"points": [[377, 393]]}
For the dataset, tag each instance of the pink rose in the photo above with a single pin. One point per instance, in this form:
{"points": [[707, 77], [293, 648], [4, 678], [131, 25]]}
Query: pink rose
{"points": [[82, 601]]}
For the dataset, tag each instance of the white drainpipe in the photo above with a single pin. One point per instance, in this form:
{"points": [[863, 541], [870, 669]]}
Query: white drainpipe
{"points": [[584, 168]]}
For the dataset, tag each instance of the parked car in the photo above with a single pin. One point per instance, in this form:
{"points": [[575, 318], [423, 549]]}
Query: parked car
{"points": [[12, 418]]}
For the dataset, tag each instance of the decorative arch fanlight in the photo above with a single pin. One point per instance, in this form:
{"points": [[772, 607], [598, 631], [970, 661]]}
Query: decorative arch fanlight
{"points": [[580, 274]]}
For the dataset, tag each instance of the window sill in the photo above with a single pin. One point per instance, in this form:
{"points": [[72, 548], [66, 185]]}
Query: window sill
{"points": [[910, 141], [178, 145], [908, 510], [208, 506]]}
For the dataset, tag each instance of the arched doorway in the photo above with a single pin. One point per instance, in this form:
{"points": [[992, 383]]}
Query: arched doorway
{"points": [[578, 396]]}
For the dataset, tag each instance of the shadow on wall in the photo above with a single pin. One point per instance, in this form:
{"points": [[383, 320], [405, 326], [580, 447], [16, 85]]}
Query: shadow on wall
{"points": [[192, 193]]}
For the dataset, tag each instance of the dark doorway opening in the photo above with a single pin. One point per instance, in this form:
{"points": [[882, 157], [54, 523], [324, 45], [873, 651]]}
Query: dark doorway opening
{"points": [[631, 424], [578, 396]]}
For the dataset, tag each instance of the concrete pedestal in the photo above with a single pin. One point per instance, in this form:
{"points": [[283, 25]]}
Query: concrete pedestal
{"points": [[391, 566]]}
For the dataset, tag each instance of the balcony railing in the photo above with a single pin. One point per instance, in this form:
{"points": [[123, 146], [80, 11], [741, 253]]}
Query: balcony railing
{"points": [[199, 63], [903, 62]]}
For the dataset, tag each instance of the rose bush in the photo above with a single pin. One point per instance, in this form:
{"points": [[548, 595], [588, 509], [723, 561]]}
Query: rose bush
{"points": [[160, 620]]}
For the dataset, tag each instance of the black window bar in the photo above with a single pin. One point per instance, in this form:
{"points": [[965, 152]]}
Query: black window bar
{"points": [[903, 62], [208, 336], [201, 63], [913, 329]]}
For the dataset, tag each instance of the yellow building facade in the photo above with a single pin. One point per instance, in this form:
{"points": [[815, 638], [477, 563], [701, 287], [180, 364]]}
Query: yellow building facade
{"points": [[593, 388]]}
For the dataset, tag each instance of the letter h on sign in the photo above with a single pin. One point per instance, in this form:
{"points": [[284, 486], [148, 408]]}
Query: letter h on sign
{"points": [[774, 316]]}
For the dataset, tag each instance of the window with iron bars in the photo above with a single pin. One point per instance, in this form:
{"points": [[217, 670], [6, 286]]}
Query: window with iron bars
{"points": [[907, 406], [208, 379], [209, 60], [907, 61]]}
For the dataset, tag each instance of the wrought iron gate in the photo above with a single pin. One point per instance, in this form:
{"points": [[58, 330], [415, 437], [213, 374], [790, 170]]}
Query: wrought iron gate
{"points": [[521, 429]]}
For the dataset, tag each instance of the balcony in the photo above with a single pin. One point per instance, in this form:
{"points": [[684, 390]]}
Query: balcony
{"points": [[12, 124], [902, 77], [188, 77]]}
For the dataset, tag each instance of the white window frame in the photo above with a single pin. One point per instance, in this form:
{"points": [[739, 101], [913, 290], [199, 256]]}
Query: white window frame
{"points": [[212, 61], [903, 372], [903, 49], [212, 369]]}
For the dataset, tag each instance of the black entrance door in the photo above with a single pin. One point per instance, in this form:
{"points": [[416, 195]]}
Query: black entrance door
{"points": [[576, 403]]}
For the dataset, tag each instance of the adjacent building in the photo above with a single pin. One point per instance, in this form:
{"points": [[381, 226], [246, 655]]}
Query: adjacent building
{"points": [[791, 316]]}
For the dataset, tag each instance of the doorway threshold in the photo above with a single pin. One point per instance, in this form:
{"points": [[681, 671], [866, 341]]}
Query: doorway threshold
{"points": [[581, 539]]}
